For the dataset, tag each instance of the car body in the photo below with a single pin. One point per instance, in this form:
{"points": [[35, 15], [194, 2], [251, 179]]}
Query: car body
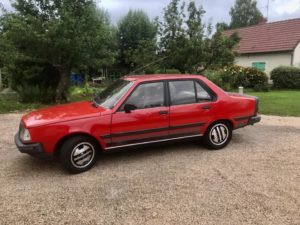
{"points": [[136, 110]]}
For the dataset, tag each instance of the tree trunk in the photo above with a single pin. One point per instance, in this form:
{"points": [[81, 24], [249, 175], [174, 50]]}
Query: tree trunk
{"points": [[61, 91]]}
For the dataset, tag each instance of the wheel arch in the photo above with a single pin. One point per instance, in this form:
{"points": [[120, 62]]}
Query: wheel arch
{"points": [[59, 144], [230, 122]]}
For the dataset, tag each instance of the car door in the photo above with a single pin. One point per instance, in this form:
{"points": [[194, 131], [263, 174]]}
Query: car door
{"points": [[190, 108], [147, 121]]}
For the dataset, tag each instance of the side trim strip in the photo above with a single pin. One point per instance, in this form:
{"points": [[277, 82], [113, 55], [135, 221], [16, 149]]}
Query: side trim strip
{"points": [[151, 130], [157, 141], [186, 126], [242, 118]]}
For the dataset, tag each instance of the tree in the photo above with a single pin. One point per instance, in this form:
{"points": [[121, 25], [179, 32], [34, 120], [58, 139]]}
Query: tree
{"points": [[222, 26], [63, 34], [172, 36], [187, 43], [245, 13], [136, 37]]}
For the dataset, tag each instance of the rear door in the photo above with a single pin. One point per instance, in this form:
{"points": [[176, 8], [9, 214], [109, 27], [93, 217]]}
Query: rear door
{"points": [[190, 108], [149, 120]]}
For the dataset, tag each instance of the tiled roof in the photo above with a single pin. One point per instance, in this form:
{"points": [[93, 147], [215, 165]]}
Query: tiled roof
{"points": [[268, 37]]}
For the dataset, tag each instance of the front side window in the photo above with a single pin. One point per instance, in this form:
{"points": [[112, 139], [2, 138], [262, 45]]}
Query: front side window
{"points": [[148, 95], [182, 92]]}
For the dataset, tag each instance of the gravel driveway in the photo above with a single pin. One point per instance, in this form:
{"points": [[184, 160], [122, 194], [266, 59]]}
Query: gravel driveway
{"points": [[255, 180]]}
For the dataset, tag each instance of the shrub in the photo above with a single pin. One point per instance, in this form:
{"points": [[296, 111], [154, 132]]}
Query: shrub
{"points": [[245, 76], [30, 94], [286, 77], [216, 77], [167, 71], [230, 78], [5, 79]]}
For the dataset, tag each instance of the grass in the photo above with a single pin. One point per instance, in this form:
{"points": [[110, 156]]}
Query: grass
{"points": [[277, 102], [7, 106]]}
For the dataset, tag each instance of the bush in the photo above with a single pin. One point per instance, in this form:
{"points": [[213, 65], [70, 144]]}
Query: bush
{"points": [[5, 79], [167, 71], [216, 77], [286, 77], [37, 79], [230, 78], [36, 94]]}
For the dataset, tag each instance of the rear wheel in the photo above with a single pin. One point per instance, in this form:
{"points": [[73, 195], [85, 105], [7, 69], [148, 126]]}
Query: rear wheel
{"points": [[79, 154], [218, 135]]}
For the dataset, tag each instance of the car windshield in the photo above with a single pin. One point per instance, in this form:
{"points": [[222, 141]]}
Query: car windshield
{"points": [[113, 93]]}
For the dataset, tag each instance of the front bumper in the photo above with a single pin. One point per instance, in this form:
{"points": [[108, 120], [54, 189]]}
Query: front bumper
{"points": [[254, 119], [35, 149]]}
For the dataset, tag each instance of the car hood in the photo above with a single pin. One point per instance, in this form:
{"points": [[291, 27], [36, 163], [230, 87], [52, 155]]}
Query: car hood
{"points": [[61, 113]]}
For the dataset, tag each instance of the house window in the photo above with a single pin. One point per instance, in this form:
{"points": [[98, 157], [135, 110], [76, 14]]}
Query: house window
{"points": [[259, 65]]}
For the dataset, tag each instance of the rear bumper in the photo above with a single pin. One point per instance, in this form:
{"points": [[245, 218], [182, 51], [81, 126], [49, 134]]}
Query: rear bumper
{"points": [[246, 121], [254, 119], [35, 149]]}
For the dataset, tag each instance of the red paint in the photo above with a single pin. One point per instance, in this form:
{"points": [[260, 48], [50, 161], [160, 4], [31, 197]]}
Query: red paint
{"points": [[48, 126]]}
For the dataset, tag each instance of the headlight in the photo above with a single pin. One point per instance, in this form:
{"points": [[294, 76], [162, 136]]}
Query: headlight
{"points": [[24, 134]]}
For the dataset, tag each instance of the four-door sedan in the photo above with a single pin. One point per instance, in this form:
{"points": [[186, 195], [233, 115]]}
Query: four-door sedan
{"points": [[136, 110]]}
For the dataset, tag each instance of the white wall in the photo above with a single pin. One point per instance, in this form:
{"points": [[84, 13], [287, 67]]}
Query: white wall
{"points": [[272, 60], [296, 61]]}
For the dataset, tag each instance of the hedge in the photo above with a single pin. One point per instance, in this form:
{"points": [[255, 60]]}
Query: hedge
{"points": [[286, 77]]}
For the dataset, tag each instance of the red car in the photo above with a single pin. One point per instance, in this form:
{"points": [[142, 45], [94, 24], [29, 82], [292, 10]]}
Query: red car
{"points": [[136, 110]]}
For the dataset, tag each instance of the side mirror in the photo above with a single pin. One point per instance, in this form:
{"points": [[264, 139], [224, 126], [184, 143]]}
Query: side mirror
{"points": [[129, 107]]}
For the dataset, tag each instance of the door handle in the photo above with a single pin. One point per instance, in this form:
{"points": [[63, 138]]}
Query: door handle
{"points": [[163, 112], [206, 107]]}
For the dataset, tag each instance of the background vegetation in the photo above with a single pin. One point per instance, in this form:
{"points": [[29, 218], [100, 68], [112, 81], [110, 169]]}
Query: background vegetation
{"points": [[43, 42], [286, 77]]}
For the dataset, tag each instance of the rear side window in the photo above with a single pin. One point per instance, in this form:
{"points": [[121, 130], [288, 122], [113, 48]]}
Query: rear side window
{"points": [[202, 94], [182, 92], [187, 92]]}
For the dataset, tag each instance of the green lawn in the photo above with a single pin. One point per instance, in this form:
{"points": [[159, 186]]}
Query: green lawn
{"points": [[282, 103]]}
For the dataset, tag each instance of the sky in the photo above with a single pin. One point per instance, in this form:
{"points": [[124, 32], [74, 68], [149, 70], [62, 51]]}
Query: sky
{"points": [[216, 10]]}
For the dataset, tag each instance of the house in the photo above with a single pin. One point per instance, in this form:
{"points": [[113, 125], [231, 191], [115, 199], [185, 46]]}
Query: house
{"points": [[268, 45]]}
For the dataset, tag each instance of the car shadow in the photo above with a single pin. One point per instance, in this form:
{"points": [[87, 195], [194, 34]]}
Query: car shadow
{"points": [[139, 152], [30, 166]]}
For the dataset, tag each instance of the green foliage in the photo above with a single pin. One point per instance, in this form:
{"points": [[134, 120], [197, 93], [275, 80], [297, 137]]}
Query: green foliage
{"points": [[167, 71], [67, 35], [36, 94], [216, 76], [286, 77], [7, 106], [136, 38], [230, 78], [186, 42], [5, 79], [245, 13]]}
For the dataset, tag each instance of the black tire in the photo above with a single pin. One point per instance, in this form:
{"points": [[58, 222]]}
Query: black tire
{"points": [[218, 135], [79, 154]]}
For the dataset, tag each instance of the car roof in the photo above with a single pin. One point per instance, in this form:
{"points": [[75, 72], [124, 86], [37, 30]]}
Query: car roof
{"points": [[150, 77]]}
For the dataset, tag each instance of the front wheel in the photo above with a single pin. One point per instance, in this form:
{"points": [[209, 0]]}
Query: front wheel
{"points": [[79, 154], [218, 135]]}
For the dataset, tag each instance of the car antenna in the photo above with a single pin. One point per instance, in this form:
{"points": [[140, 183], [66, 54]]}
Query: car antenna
{"points": [[147, 65]]}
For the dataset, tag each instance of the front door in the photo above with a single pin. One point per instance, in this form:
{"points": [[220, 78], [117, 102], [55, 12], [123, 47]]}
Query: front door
{"points": [[149, 119]]}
